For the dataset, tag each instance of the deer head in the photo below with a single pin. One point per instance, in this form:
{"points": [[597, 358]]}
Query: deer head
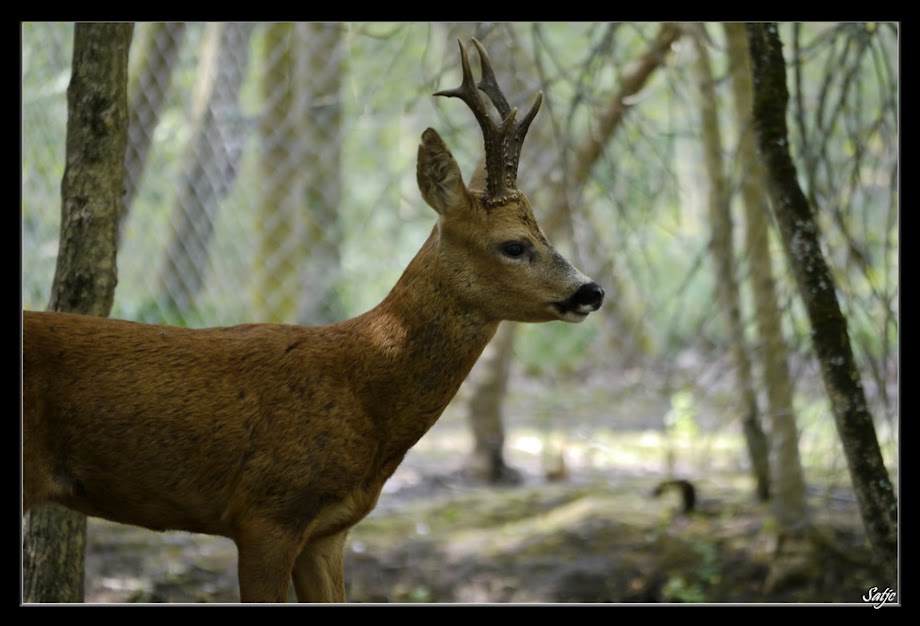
{"points": [[488, 236]]}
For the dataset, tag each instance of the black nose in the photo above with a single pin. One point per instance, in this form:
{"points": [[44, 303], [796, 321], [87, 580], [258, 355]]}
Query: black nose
{"points": [[590, 294]]}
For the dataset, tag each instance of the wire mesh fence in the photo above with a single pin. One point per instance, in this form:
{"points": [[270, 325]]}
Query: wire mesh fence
{"points": [[271, 173], [242, 139], [270, 167]]}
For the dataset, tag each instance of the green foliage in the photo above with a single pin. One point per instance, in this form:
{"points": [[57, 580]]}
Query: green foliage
{"points": [[678, 589], [420, 593], [695, 586]]}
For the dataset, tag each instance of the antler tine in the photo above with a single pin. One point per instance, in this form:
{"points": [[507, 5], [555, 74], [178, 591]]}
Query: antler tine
{"points": [[521, 130], [468, 92], [488, 84], [502, 140]]}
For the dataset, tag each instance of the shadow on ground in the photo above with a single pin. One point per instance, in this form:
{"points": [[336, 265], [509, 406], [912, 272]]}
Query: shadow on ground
{"points": [[446, 540]]}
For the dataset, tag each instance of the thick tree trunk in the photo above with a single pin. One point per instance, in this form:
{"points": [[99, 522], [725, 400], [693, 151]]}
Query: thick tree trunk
{"points": [[281, 192], [871, 482], [321, 76], [92, 194]]}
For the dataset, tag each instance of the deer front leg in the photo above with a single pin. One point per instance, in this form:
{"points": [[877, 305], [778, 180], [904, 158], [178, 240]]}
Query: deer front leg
{"points": [[266, 560], [319, 571]]}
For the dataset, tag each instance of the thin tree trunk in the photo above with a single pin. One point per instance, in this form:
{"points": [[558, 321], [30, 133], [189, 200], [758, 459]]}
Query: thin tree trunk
{"points": [[628, 332], [873, 487], [152, 68], [484, 407], [723, 255], [300, 234], [322, 70], [210, 166], [489, 378], [54, 538], [490, 383], [786, 474], [281, 200]]}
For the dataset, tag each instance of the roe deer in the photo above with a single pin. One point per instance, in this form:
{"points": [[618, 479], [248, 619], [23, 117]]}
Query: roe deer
{"points": [[281, 437]]}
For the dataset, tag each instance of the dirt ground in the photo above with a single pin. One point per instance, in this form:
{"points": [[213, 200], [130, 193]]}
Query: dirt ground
{"points": [[573, 542], [582, 527]]}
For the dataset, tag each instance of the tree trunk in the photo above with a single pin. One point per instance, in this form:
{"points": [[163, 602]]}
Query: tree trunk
{"points": [[871, 482], [489, 378], [54, 538], [488, 457], [153, 63], [723, 255], [490, 383], [300, 234], [786, 476], [627, 331], [281, 200], [210, 166]]}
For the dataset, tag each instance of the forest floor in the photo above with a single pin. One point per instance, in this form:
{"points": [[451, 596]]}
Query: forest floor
{"points": [[582, 526]]}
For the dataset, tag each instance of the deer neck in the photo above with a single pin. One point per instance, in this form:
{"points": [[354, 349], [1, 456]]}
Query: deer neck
{"points": [[425, 340]]}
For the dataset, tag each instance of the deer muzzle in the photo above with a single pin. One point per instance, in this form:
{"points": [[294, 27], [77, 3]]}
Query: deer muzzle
{"points": [[587, 299]]}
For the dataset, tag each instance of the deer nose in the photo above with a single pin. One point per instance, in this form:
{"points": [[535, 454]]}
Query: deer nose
{"points": [[590, 295]]}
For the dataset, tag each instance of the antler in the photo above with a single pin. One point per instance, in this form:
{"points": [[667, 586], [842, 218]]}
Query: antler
{"points": [[503, 140]]}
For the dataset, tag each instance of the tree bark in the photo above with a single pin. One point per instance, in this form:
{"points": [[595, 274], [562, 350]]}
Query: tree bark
{"points": [[871, 482], [281, 193], [489, 378], [786, 475], [723, 255], [628, 332], [299, 224], [151, 75], [92, 194], [320, 75], [211, 164], [490, 383], [484, 408]]}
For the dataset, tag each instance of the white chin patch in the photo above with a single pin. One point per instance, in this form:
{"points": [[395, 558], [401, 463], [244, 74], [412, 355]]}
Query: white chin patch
{"points": [[573, 317]]}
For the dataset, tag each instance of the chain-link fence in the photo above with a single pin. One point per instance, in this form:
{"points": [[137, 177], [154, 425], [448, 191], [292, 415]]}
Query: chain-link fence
{"points": [[270, 167], [271, 172]]}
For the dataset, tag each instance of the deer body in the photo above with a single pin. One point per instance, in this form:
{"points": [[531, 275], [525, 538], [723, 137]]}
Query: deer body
{"points": [[281, 437], [252, 405]]}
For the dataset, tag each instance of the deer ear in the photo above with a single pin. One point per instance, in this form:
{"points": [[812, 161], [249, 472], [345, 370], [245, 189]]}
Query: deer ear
{"points": [[439, 177]]}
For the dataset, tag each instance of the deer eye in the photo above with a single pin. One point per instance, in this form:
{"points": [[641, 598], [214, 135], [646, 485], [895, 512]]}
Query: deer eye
{"points": [[513, 249]]}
